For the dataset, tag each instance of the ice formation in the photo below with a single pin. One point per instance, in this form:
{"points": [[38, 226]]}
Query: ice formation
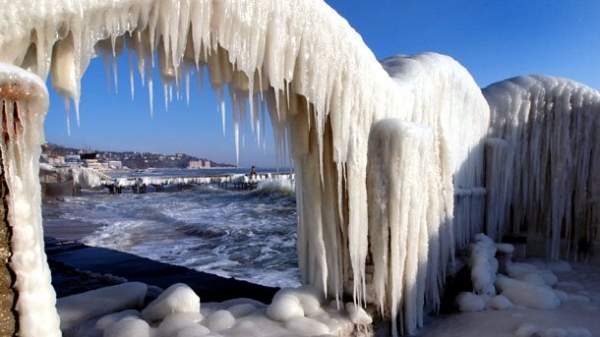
{"points": [[552, 153], [323, 88], [23, 103], [233, 318], [405, 212], [99, 302]]}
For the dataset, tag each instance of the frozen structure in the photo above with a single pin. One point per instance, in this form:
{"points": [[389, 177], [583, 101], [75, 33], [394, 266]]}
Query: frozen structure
{"points": [[547, 149], [302, 65]]}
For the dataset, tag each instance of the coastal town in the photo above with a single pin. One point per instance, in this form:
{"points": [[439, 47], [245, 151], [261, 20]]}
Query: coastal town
{"points": [[60, 156]]}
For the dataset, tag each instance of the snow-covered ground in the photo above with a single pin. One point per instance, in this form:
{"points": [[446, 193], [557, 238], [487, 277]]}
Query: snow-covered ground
{"points": [[578, 315]]}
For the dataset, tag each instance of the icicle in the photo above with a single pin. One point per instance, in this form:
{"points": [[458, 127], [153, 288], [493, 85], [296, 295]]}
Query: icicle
{"points": [[236, 134], [151, 96], [68, 114], [544, 160], [187, 88], [131, 81], [166, 96]]}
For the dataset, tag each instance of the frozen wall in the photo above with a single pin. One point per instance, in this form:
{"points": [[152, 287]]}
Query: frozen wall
{"points": [[551, 127], [304, 66]]}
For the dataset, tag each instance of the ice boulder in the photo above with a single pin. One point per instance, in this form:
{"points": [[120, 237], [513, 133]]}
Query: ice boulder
{"points": [[108, 320], [579, 332], [75, 309], [284, 307], [173, 323], [526, 330], [178, 298], [499, 302], [304, 326], [357, 314], [310, 298], [484, 265], [554, 332], [242, 309], [468, 302], [194, 331], [526, 294], [220, 320], [128, 327]]}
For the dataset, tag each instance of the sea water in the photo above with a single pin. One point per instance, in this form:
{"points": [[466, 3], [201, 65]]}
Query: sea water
{"points": [[249, 235]]}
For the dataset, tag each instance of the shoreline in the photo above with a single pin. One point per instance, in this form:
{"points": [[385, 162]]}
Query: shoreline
{"points": [[76, 267]]}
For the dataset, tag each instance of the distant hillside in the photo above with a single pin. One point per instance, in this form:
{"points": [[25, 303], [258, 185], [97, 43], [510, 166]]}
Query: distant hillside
{"points": [[131, 159]]}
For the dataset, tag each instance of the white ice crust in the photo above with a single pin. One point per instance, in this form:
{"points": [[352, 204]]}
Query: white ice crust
{"points": [[551, 160]]}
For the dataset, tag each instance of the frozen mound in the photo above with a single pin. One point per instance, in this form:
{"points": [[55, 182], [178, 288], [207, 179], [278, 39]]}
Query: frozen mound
{"points": [[176, 313], [483, 264], [178, 298], [77, 308], [469, 302], [551, 161], [527, 294], [530, 330]]}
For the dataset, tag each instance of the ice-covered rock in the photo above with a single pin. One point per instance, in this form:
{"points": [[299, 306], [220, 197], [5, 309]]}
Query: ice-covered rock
{"points": [[220, 320], [108, 320], [526, 330], [173, 323], [193, 331], [241, 310], [578, 332], [554, 332], [526, 294], [178, 298], [484, 265], [499, 302], [358, 315], [128, 327], [469, 302], [305, 326], [77, 308], [284, 307]]}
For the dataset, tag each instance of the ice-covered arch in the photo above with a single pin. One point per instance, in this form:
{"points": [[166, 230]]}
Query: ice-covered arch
{"points": [[549, 155], [324, 90]]}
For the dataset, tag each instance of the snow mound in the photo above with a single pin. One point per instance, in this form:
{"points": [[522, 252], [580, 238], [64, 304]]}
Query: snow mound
{"points": [[469, 302], [526, 294], [128, 327], [499, 302], [178, 298], [526, 330], [108, 320], [75, 309], [358, 315], [220, 320], [285, 307], [173, 323], [304, 326], [484, 265]]}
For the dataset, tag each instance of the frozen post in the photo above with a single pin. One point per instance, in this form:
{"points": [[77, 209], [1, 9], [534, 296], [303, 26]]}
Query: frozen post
{"points": [[23, 102]]}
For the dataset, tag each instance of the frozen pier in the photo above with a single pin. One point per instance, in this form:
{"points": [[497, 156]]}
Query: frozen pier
{"points": [[141, 184]]}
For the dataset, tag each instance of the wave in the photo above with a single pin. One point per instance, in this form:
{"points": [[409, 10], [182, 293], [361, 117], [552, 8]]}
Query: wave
{"points": [[285, 187]]}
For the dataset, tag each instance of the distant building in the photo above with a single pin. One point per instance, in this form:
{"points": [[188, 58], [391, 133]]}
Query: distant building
{"points": [[196, 164], [94, 163], [73, 160], [115, 164], [56, 161]]}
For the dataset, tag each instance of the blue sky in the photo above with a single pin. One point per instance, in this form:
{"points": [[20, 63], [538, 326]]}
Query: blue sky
{"points": [[493, 39]]}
